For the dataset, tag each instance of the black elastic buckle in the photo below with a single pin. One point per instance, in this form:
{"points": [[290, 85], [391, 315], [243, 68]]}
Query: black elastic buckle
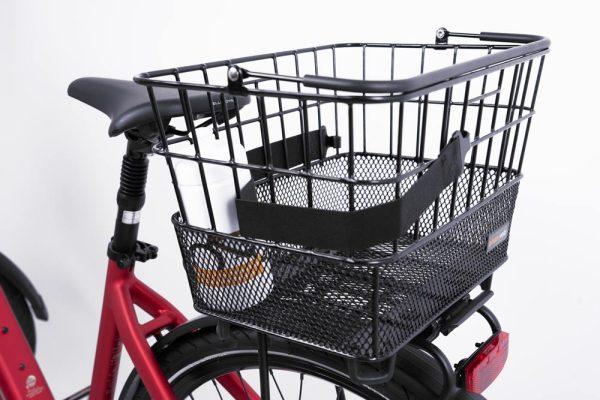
{"points": [[143, 252], [333, 141]]}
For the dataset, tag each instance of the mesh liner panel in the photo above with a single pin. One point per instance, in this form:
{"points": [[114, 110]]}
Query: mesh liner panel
{"points": [[364, 310]]}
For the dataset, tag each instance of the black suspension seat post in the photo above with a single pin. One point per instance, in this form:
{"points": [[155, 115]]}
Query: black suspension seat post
{"points": [[124, 247]]}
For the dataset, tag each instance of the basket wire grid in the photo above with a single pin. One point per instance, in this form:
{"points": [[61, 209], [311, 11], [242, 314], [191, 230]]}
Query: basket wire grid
{"points": [[343, 149]]}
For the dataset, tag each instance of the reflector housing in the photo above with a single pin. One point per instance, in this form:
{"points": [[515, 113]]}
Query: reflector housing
{"points": [[485, 364]]}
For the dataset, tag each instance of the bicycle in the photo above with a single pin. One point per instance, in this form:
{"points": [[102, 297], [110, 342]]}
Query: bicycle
{"points": [[330, 261]]}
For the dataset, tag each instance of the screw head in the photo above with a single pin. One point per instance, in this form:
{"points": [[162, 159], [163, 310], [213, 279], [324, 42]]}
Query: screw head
{"points": [[233, 74], [5, 330], [441, 33]]}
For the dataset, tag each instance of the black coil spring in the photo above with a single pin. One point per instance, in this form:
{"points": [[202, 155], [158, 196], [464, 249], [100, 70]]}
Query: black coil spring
{"points": [[134, 172]]}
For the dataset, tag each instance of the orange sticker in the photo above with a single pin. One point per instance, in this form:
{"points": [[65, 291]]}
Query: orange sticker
{"points": [[238, 275]]}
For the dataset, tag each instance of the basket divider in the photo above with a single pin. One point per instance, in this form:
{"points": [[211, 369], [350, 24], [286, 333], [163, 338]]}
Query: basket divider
{"points": [[476, 136], [510, 111], [236, 181], [165, 144], [189, 122], [518, 127], [306, 151], [418, 148], [364, 106], [266, 144], [488, 154], [463, 119], [375, 309], [210, 105], [443, 141], [319, 122], [281, 120], [392, 57], [399, 157], [532, 107], [350, 156], [336, 111]]}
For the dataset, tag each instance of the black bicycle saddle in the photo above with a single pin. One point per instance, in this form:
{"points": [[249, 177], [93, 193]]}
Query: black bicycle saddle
{"points": [[128, 106]]}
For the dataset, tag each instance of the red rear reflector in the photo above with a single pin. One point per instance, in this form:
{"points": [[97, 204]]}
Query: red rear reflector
{"points": [[487, 363]]}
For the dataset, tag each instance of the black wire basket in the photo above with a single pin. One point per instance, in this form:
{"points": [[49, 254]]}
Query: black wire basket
{"points": [[358, 206]]}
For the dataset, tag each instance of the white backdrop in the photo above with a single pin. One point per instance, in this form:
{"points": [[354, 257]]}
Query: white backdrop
{"points": [[59, 170]]}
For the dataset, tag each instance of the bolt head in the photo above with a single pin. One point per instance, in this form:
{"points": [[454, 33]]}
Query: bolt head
{"points": [[233, 74], [441, 33]]}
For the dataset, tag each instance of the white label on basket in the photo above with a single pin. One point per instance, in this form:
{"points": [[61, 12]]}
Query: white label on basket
{"points": [[498, 236], [131, 217]]}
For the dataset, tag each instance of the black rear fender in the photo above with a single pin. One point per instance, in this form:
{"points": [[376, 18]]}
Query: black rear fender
{"points": [[13, 275]]}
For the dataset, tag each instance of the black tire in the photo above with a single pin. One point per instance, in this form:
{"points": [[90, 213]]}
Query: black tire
{"points": [[199, 357], [21, 311]]}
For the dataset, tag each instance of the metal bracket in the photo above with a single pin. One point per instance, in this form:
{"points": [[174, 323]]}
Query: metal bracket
{"points": [[235, 79], [370, 372]]}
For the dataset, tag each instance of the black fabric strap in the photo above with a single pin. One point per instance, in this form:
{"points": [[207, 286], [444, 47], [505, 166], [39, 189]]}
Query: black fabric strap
{"points": [[290, 153], [355, 230]]}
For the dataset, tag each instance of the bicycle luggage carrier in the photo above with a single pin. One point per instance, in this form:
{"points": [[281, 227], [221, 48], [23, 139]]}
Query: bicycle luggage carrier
{"points": [[367, 205]]}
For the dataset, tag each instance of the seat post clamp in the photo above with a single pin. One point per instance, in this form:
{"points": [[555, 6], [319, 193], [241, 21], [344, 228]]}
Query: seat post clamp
{"points": [[143, 252]]}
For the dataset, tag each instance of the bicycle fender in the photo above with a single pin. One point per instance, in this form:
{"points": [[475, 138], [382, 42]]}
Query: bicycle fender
{"points": [[13, 275]]}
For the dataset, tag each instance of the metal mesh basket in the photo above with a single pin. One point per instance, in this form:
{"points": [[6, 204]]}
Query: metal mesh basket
{"points": [[362, 218]]}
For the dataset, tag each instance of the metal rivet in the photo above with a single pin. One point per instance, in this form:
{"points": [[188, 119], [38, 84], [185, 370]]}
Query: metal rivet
{"points": [[233, 74]]}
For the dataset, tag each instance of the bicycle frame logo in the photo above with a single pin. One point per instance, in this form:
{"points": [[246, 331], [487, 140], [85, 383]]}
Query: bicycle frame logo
{"points": [[33, 389]]}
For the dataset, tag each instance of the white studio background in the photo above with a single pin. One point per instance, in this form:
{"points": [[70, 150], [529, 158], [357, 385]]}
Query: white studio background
{"points": [[59, 170]]}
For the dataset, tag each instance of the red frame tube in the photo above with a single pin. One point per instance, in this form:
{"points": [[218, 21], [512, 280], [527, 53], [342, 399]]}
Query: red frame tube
{"points": [[119, 326], [20, 374], [21, 377]]}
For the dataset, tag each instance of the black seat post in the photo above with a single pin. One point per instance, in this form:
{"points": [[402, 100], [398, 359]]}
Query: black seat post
{"points": [[130, 200]]}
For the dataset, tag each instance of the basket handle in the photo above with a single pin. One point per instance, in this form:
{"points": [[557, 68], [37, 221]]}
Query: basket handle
{"points": [[530, 44]]}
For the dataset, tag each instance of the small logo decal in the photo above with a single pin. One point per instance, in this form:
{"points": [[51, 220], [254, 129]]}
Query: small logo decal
{"points": [[131, 217], [30, 382], [498, 236], [32, 388]]}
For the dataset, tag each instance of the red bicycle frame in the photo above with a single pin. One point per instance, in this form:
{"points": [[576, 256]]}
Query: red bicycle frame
{"points": [[22, 378]]}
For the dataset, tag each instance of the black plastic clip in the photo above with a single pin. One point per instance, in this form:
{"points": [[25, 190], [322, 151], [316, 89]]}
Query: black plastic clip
{"points": [[371, 372], [333, 141], [143, 252]]}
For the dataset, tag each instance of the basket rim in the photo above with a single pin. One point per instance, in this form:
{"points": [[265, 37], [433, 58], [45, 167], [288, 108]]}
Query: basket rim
{"points": [[399, 90]]}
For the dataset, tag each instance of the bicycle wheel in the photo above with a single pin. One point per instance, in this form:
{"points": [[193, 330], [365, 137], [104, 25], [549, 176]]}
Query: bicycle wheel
{"points": [[193, 365]]}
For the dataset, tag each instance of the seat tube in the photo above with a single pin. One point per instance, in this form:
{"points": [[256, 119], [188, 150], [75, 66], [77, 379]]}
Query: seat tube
{"points": [[121, 253]]}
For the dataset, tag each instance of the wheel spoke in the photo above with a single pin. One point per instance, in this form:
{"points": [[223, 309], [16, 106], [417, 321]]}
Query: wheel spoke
{"points": [[341, 395], [276, 384], [301, 384], [217, 389], [239, 374]]}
